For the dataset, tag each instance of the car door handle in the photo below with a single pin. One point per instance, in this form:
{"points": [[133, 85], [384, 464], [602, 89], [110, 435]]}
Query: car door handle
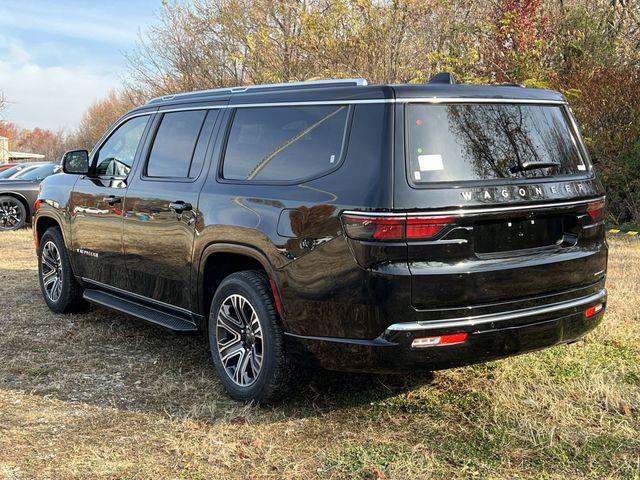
{"points": [[180, 206], [112, 199]]}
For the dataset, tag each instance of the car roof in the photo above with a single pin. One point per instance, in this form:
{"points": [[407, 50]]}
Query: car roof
{"points": [[354, 91], [34, 164]]}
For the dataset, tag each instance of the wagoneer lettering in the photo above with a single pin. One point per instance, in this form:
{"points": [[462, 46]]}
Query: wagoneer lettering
{"points": [[335, 224]]}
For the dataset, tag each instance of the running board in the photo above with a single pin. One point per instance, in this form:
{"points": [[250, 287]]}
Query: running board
{"points": [[143, 312]]}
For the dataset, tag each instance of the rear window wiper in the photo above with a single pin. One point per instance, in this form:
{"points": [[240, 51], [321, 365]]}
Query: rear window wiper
{"points": [[531, 166]]}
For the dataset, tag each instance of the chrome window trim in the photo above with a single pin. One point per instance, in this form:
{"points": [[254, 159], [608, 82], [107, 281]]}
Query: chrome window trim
{"points": [[433, 100], [470, 211], [477, 100], [492, 317], [183, 109]]}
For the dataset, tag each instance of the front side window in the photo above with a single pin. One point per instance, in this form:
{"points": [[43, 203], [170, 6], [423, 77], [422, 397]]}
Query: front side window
{"points": [[489, 141], [284, 143], [174, 148], [116, 155]]}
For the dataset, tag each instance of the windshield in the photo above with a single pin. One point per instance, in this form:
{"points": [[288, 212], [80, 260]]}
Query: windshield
{"points": [[10, 172], [466, 142], [37, 173]]}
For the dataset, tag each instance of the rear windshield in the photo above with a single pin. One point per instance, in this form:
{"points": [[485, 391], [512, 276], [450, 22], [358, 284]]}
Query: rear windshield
{"points": [[466, 142]]}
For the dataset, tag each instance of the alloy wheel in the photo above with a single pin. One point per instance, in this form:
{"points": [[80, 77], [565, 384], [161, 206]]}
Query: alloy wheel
{"points": [[239, 340], [51, 271], [10, 214]]}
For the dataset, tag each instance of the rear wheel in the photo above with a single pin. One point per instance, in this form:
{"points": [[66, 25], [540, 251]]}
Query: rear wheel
{"points": [[60, 290], [13, 214], [247, 341]]}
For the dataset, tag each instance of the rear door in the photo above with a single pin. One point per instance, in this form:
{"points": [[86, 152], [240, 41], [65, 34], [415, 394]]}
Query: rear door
{"points": [[517, 208], [96, 203], [161, 207]]}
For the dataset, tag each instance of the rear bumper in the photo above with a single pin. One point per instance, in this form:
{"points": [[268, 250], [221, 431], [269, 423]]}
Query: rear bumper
{"points": [[490, 337]]}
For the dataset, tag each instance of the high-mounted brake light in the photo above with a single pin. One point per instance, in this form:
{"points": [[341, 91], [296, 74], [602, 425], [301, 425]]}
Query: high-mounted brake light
{"points": [[450, 339], [591, 311], [596, 209], [397, 227]]}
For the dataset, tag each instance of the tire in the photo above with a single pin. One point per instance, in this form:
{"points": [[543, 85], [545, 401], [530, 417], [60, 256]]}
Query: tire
{"points": [[270, 370], [13, 213], [59, 287]]}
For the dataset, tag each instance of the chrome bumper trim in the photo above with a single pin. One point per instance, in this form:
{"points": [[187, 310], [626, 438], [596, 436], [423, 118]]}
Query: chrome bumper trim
{"points": [[500, 317], [474, 211]]}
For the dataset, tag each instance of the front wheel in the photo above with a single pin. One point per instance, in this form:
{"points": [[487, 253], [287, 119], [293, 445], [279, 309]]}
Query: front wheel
{"points": [[60, 290], [247, 341], [13, 214]]}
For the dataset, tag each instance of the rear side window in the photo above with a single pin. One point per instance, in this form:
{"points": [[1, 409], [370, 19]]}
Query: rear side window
{"points": [[284, 143], [489, 141], [180, 144]]}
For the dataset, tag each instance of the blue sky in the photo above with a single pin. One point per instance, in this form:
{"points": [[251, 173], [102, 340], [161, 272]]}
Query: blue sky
{"points": [[57, 57]]}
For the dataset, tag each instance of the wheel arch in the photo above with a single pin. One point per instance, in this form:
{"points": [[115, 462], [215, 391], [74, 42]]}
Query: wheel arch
{"points": [[42, 223], [219, 260]]}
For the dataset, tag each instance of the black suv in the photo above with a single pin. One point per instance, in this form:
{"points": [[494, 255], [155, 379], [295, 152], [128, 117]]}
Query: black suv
{"points": [[380, 228]]}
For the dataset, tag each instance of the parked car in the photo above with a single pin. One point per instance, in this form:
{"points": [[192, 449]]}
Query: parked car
{"points": [[14, 170], [18, 193], [4, 166], [376, 228]]}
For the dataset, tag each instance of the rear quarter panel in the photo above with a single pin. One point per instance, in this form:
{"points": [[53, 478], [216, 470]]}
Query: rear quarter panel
{"points": [[297, 227]]}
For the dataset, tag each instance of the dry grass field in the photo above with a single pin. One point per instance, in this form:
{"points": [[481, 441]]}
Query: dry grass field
{"points": [[99, 395]]}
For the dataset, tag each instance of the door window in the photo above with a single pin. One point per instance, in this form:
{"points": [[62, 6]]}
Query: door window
{"points": [[180, 143], [284, 143], [115, 157]]}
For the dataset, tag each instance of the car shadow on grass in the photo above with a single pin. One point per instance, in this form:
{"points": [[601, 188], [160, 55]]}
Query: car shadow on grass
{"points": [[110, 360]]}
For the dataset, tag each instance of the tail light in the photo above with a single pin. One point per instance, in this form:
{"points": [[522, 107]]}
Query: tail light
{"points": [[596, 209], [426, 227], [396, 227]]}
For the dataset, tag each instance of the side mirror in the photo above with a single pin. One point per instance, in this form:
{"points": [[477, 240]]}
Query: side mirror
{"points": [[76, 162]]}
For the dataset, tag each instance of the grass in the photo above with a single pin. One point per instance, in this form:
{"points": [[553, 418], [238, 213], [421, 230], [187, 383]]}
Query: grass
{"points": [[100, 395]]}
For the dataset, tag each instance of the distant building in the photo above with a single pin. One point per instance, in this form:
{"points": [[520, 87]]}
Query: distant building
{"points": [[7, 155]]}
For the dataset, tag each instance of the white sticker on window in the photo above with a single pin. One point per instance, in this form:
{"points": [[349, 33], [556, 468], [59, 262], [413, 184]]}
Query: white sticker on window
{"points": [[430, 162], [416, 175], [333, 159], [582, 167]]}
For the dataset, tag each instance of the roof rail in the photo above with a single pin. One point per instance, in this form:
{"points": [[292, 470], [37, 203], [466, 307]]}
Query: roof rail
{"points": [[268, 86]]}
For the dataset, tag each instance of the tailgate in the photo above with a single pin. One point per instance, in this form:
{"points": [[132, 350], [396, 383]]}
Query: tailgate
{"points": [[502, 254]]}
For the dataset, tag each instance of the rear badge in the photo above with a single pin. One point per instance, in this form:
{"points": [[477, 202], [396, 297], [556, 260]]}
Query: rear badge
{"points": [[529, 192]]}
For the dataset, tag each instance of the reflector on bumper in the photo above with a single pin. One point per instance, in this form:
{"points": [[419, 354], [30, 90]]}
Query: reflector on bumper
{"points": [[439, 340]]}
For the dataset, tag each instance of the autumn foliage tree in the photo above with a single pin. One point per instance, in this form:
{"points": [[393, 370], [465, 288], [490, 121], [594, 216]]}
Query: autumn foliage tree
{"points": [[9, 130], [37, 140], [519, 47], [588, 49]]}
